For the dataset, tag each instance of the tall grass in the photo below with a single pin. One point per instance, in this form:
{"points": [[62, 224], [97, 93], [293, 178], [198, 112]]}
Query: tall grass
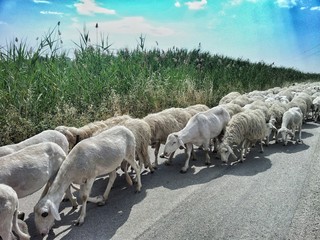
{"points": [[42, 87]]}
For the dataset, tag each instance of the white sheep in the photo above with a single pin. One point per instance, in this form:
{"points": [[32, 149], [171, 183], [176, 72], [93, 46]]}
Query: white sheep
{"points": [[45, 136], [243, 129], [142, 133], [300, 103], [291, 121], [263, 106], [75, 135], [33, 167], [232, 108], [229, 97], [9, 206], [242, 100], [161, 126], [193, 109], [200, 129], [316, 108], [287, 93], [90, 158]]}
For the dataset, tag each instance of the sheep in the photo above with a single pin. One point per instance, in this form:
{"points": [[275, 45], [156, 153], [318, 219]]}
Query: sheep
{"points": [[256, 94], [316, 108], [75, 135], [276, 111], [243, 129], [142, 133], [9, 205], [229, 97], [242, 100], [232, 108], [90, 158], [301, 103], [193, 109], [37, 165], [45, 136], [263, 106], [200, 129], [291, 120], [161, 126], [308, 99], [286, 93], [180, 114]]}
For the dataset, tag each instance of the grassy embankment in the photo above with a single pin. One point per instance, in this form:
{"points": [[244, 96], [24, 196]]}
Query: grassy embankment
{"points": [[43, 88]]}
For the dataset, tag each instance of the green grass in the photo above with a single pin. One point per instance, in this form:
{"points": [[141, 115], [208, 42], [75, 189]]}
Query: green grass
{"points": [[42, 88]]}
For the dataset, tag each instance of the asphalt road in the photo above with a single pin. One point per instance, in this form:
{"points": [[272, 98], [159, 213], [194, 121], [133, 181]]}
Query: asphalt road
{"points": [[274, 195]]}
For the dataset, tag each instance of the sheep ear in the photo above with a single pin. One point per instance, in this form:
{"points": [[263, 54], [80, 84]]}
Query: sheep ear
{"points": [[182, 146], [231, 152], [54, 211]]}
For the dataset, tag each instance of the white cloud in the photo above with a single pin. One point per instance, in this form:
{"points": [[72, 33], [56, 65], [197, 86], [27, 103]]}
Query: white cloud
{"points": [[177, 4], [3, 23], [130, 25], [238, 2], [317, 8], [51, 13], [286, 3], [42, 1], [196, 5], [90, 7]]}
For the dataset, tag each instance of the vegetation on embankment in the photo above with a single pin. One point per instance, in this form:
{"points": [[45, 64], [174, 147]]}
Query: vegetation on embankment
{"points": [[43, 88]]}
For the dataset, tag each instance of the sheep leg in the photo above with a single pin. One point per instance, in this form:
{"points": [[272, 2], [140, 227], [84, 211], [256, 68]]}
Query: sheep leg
{"points": [[299, 140], [206, 150], [244, 150], [101, 200], [85, 190], [144, 155], [186, 164], [193, 154], [138, 173], [7, 229], [169, 160], [125, 167], [156, 152], [72, 198], [261, 146]]}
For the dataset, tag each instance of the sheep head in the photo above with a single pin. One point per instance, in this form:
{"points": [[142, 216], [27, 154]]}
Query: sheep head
{"points": [[225, 151], [284, 132], [172, 144], [45, 213]]}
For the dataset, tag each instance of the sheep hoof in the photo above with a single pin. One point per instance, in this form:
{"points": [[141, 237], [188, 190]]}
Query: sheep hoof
{"points": [[155, 166], [101, 203], [299, 142], [78, 222], [183, 170], [168, 163], [137, 191]]}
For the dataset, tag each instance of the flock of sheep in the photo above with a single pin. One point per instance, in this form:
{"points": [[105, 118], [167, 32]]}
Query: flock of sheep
{"points": [[68, 157]]}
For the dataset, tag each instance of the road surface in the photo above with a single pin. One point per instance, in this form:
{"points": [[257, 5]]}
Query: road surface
{"points": [[274, 195]]}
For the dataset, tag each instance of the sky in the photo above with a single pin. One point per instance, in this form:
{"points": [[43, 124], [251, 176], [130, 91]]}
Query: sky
{"points": [[285, 33]]}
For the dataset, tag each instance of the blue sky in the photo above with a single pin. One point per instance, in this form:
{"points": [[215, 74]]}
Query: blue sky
{"points": [[283, 32]]}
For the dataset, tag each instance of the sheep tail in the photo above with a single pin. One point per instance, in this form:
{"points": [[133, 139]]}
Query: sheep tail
{"points": [[16, 228]]}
